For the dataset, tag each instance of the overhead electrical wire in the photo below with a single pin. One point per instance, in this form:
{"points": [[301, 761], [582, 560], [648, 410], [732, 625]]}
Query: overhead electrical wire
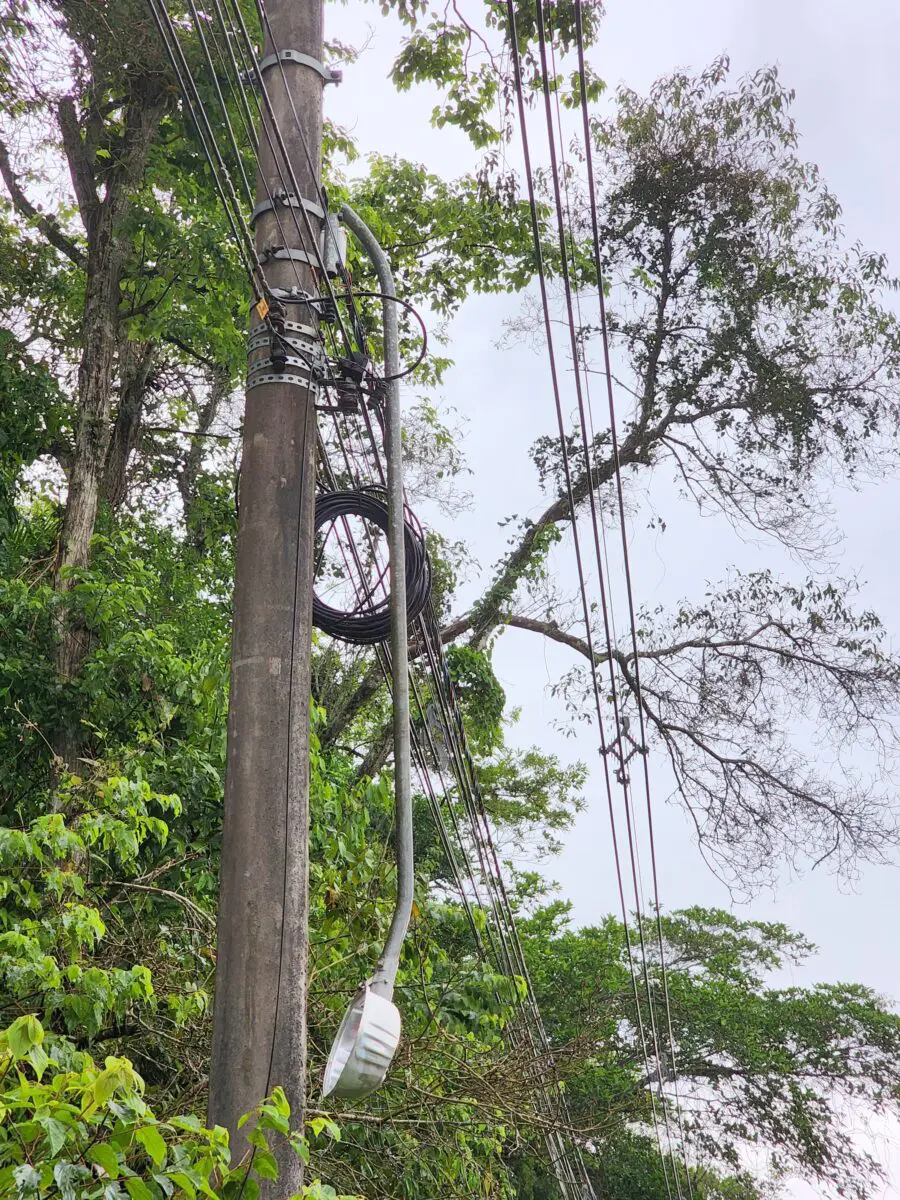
{"points": [[536, 232], [607, 362], [565, 238], [559, 1152], [313, 166], [233, 74], [218, 168], [507, 951], [354, 294], [617, 744], [359, 473]]}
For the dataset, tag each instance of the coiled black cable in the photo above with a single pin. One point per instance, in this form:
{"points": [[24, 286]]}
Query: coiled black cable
{"points": [[372, 624]]}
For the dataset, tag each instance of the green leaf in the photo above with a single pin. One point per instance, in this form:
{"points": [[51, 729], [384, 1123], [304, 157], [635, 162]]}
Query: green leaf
{"points": [[152, 1141], [324, 1124], [55, 1132], [39, 1059], [137, 1189], [105, 1157], [300, 1146], [265, 1164], [191, 1123], [24, 1033], [185, 1183]]}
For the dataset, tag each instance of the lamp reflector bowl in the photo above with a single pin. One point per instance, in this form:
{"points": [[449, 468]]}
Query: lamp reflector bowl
{"points": [[364, 1048]]}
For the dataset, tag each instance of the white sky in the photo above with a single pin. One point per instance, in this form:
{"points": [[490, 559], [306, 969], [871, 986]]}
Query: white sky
{"points": [[842, 60]]}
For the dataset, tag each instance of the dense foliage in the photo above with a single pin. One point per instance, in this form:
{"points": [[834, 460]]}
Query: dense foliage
{"points": [[758, 354]]}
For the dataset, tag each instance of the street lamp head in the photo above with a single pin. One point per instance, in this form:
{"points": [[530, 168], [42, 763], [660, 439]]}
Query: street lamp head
{"points": [[364, 1048]]}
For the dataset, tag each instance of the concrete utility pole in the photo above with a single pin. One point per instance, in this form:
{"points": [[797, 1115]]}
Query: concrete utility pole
{"points": [[259, 1029]]}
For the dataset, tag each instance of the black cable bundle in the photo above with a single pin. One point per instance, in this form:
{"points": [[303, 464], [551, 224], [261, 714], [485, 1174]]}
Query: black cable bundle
{"points": [[372, 624]]}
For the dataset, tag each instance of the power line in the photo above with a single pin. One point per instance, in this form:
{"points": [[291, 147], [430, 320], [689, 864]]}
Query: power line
{"points": [[507, 950], [604, 330], [601, 557], [218, 168], [564, 247], [516, 59]]}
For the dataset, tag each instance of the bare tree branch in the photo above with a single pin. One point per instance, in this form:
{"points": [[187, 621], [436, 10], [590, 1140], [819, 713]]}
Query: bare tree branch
{"points": [[47, 224]]}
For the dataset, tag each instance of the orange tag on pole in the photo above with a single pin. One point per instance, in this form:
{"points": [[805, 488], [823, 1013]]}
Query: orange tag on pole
{"points": [[262, 307]]}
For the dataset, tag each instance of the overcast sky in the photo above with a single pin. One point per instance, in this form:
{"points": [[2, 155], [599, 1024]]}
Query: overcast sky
{"points": [[842, 59]]}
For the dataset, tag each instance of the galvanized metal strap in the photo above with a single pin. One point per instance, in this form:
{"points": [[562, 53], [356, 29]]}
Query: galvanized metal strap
{"points": [[286, 200], [289, 254], [329, 74], [255, 381]]}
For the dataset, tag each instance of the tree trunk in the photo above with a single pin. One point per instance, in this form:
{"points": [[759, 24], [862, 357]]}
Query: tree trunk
{"points": [[135, 363], [101, 333]]}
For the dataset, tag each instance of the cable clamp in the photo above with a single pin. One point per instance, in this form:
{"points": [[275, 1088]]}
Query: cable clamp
{"points": [[329, 74], [306, 330], [283, 199], [299, 372]]}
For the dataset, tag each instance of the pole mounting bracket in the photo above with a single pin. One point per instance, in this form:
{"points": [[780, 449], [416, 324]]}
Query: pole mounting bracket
{"points": [[282, 199], [289, 254], [292, 295], [329, 74]]}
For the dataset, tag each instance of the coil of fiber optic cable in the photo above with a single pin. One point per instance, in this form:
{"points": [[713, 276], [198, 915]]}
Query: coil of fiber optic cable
{"points": [[370, 623]]}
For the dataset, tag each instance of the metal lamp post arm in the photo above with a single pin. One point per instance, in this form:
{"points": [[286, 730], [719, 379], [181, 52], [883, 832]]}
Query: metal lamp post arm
{"points": [[385, 973]]}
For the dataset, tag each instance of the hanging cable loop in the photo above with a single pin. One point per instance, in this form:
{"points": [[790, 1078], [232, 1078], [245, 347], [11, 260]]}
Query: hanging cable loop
{"points": [[371, 622]]}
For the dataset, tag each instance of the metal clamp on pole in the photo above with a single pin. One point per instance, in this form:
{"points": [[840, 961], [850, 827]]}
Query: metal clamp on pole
{"points": [[287, 254], [329, 74], [302, 368], [370, 1031], [284, 199]]}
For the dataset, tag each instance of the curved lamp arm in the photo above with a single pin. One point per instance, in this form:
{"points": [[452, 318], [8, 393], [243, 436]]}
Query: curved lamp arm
{"points": [[382, 981]]}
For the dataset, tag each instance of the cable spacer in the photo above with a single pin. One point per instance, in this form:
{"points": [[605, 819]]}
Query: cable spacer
{"points": [[329, 74], [286, 200]]}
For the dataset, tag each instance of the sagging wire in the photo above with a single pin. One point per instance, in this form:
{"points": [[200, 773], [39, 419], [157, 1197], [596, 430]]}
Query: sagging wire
{"points": [[410, 308], [573, 338], [614, 443], [568, 480]]}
